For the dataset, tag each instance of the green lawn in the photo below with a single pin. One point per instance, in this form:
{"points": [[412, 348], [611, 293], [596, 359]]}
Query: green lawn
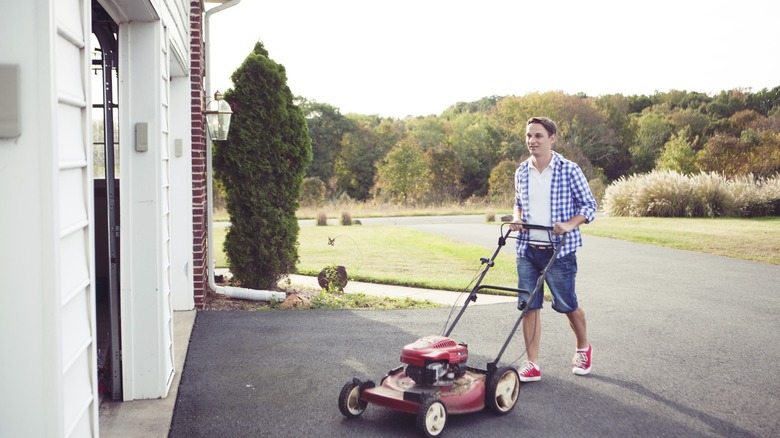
{"points": [[395, 255], [749, 239]]}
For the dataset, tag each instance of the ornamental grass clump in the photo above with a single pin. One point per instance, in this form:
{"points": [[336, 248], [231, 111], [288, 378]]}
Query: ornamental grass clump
{"points": [[709, 196], [322, 219], [619, 197], [753, 197], [772, 191], [665, 193]]}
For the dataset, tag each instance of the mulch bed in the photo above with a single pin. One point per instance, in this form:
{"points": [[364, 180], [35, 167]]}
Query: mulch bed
{"points": [[219, 302]]}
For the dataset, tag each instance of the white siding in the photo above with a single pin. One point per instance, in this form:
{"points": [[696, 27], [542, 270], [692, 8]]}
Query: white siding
{"points": [[48, 360], [31, 399], [175, 15]]}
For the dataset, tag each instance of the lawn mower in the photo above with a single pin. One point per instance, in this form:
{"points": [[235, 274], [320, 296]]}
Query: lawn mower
{"points": [[434, 380]]}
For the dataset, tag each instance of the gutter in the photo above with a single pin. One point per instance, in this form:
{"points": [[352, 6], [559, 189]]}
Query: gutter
{"points": [[230, 291]]}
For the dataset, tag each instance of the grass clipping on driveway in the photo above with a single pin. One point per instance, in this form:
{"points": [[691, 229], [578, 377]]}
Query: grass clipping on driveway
{"points": [[395, 255]]}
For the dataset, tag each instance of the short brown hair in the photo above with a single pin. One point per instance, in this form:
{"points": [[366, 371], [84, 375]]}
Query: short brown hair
{"points": [[549, 125]]}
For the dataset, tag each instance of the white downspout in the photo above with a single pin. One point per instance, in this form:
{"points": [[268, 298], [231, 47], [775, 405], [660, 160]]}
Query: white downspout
{"points": [[206, 50], [233, 292]]}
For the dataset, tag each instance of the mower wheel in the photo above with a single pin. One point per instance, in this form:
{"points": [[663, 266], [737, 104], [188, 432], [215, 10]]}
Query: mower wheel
{"points": [[350, 404], [431, 417], [502, 390]]}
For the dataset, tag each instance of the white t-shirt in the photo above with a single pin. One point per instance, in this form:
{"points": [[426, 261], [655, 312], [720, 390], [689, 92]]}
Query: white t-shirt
{"points": [[539, 189]]}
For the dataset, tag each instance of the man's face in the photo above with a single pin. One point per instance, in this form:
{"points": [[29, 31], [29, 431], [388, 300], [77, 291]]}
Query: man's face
{"points": [[538, 141]]}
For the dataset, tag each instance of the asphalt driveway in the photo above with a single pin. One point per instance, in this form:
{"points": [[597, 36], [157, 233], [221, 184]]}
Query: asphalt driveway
{"points": [[684, 345]]}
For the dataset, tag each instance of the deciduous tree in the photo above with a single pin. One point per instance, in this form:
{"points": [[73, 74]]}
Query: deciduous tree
{"points": [[327, 127], [401, 175], [678, 155], [502, 182]]}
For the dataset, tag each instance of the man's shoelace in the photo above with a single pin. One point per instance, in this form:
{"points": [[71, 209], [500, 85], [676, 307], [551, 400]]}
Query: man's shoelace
{"points": [[581, 358], [527, 368]]}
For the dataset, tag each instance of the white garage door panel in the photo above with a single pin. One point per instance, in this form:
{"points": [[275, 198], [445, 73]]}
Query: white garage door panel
{"points": [[74, 271], [78, 390], [69, 70], [69, 16], [73, 213], [70, 130], [76, 333]]}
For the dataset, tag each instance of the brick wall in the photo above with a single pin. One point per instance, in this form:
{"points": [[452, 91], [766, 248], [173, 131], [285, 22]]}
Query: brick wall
{"points": [[199, 243]]}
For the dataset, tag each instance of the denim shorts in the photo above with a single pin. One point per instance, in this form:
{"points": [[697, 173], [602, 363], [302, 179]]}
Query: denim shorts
{"points": [[560, 278]]}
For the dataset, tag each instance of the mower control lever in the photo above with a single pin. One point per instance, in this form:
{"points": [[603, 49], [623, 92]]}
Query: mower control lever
{"points": [[487, 261]]}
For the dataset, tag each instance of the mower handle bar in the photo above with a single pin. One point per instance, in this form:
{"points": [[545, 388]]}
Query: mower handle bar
{"points": [[528, 227], [491, 262]]}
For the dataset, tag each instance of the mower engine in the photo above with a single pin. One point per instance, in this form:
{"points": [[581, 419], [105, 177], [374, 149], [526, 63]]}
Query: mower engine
{"points": [[435, 360]]}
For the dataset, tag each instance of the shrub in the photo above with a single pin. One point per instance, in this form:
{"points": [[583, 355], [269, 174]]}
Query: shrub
{"points": [[262, 165], [490, 217], [346, 218], [322, 219]]}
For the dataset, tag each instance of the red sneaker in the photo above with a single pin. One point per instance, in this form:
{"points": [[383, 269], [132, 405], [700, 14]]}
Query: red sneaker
{"points": [[530, 373], [582, 362]]}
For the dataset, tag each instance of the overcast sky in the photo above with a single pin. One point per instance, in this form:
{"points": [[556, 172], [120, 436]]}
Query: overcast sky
{"points": [[418, 57]]}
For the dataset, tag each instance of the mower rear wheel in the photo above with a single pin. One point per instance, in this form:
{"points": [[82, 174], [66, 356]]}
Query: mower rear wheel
{"points": [[431, 417], [502, 390], [350, 404]]}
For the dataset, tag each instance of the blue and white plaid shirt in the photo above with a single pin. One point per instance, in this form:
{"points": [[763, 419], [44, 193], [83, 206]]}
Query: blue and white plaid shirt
{"points": [[570, 195]]}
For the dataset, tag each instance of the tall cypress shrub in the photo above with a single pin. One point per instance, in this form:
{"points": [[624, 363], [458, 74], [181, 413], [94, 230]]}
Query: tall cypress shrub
{"points": [[262, 165]]}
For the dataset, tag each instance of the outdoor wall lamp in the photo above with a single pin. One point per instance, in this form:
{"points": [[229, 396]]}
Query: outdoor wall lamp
{"points": [[218, 114]]}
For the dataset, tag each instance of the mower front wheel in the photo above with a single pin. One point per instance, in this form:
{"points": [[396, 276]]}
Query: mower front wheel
{"points": [[502, 390], [350, 404], [431, 417]]}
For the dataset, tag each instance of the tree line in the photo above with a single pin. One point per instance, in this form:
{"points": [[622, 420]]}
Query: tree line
{"points": [[283, 150], [472, 149]]}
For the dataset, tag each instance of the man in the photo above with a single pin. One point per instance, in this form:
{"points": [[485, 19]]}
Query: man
{"points": [[551, 191]]}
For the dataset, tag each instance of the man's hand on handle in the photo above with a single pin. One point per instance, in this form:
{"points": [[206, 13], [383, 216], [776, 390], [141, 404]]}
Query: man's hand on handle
{"points": [[516, 225]]}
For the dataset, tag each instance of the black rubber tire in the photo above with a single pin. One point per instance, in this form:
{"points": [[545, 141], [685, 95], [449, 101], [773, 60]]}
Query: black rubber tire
{"points": [[350, 404], [431, 417], [502, 390]]}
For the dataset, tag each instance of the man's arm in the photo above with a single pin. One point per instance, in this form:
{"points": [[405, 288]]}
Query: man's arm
{"points": [[517, 220], [564, 227]]}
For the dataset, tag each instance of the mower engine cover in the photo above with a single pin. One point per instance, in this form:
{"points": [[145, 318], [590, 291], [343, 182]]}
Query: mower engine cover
{"points": [[434, 349]]}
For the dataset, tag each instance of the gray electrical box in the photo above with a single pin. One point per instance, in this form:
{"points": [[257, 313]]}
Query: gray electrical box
{"points": [[10, 101], [141, 137]]}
